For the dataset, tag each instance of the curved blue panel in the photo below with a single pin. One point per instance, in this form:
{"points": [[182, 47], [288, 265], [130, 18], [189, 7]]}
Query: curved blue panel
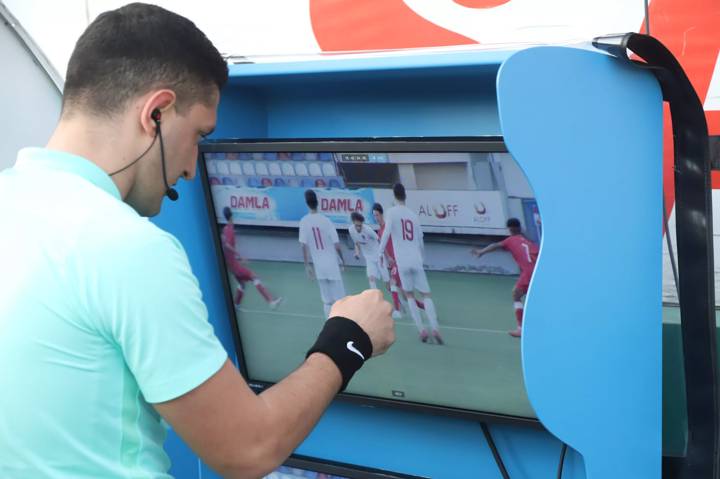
{"points": [[587, 130]]}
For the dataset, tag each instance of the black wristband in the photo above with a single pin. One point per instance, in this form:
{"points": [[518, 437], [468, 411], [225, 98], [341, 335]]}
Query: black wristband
{"points": [[346, 343]]}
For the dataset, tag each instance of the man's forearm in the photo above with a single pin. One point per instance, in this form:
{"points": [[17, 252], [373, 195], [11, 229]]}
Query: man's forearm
{"points": [[305, 255], [295, 404], [384, 239]]}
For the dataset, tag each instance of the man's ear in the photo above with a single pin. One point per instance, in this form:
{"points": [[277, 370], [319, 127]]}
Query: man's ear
{"points": [[160, 100]]}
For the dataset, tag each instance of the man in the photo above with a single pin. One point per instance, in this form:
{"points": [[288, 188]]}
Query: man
{"points": [[525, 254], [241, 273], [103, 332], [389, 268], [319, 240], [367, 241], [403, 227]]}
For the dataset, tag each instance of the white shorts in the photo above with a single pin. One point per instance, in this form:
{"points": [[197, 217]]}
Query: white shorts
{"points": [[374, 270], [331, 290], [413, 278]]}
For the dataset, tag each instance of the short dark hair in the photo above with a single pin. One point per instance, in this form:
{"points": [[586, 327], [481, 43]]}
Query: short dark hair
{"points": [[227, 213], [127, 52], [378, 207], [355, 216], [311, 199], [513, 223], [399, 191]]}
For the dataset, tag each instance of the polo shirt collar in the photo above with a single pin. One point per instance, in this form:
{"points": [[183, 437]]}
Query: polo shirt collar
{"points": [[44, 159]]}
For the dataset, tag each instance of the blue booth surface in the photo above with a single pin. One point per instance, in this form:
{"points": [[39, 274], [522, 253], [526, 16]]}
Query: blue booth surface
{"points": [[593, 372]]}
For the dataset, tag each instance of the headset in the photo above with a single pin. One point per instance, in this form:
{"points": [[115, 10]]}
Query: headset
{"points": [[156, 116]]}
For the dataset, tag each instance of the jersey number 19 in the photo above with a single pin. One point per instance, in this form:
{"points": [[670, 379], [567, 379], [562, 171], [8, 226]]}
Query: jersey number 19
{"points": [[407, 230]]}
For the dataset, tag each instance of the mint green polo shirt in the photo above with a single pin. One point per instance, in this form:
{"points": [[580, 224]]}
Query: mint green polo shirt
{"points": [[100, 316]]}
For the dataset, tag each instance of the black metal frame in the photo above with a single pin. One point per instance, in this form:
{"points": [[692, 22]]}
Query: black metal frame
{"points": [[477, 144], [351, 471], [695, 248]]}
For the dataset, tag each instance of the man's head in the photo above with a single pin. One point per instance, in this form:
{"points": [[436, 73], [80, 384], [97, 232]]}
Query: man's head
{"points": [[227, 213], [357, 220], [399, 192], [378, 212], [513, 224], [130, 51], [311, 199], [129, 62]]}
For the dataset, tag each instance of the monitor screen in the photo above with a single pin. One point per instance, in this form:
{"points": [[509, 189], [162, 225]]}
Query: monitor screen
{"points": [[288, 254]]}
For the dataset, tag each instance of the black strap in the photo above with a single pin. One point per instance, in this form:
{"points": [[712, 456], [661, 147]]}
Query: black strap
{"points": [[346, 343]]}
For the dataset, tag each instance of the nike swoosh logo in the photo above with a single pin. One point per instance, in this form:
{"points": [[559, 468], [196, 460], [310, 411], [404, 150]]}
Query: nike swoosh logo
{"points": [[351, 347]]}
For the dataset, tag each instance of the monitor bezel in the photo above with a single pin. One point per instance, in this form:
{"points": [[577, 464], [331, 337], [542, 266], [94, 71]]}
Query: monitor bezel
{"points": [[351, 471], [478, 144]]}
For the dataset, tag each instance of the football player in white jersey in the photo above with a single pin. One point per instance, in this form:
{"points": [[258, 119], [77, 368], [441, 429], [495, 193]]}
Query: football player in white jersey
{"points": [[403, 227], [367, 241], [319, 240]]}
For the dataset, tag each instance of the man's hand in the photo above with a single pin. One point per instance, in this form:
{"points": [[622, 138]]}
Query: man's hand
{"points": [[310, 272], [476, 252], [372, 313]]}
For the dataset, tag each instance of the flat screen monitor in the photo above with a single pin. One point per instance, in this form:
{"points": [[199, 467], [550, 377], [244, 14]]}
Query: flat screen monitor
{"points": [[303, 467], [459, 195]]}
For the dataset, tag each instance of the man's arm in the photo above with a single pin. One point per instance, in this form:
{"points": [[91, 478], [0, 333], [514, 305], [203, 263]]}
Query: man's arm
{"points": [[336, 242], [481, 251], [306, 259], [243, 435], [386, 233], [421, 239], [240, 434], [339, 252], [229, 247], [371, 233]]}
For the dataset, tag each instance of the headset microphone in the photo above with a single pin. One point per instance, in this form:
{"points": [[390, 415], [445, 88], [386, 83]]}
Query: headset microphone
{"points": [[171, 193]]}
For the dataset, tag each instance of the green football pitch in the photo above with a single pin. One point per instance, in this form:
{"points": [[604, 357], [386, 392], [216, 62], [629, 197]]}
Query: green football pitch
{"points": [[478, 368]]}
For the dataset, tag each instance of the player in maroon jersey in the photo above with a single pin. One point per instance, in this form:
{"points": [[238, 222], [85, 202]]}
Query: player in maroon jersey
{"points": [[525, 254], [241, 273], [393, 283]]}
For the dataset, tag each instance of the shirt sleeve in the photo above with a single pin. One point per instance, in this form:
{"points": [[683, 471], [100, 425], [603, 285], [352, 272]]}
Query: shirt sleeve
{"points": [[146, 300]]}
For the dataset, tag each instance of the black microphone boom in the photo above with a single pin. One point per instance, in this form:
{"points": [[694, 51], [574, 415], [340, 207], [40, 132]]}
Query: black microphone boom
{"points": [[170, 192]]}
